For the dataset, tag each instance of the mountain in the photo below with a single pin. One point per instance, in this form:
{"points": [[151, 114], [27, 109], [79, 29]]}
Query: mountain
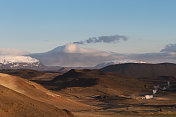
{"points": [[17, 59], [71, 55], [143, 69], [23, 73], [21, 98], [24, 62], [16, 62], [14, 104], [49, 103], [107, 63], [94, 82], [87, 92], [119, 93]]}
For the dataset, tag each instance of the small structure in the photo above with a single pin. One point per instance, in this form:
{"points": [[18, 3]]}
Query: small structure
{"points": [[168, 84], [164, 88], [154, 91], [147, 97], [156, 87]]}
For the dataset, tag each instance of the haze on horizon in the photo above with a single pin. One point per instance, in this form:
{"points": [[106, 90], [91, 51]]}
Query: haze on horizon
{"points": [[138, 26]]}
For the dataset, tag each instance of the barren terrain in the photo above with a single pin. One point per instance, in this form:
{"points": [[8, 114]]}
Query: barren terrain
{"points": [[96, 93]]}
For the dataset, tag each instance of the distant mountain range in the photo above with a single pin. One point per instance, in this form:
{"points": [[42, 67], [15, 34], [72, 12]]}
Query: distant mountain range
{"points": [[101, 65], [73, 56]]}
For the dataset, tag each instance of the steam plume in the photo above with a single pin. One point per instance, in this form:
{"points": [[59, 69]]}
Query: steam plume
{"points": [[103, 39]]}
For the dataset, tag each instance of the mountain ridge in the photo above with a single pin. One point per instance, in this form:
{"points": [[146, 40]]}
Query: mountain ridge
{"points": [[71, 55], [143, 69]]}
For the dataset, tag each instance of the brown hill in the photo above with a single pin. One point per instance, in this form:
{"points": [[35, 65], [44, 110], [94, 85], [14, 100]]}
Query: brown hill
{"points": [[94, 82], [37, 92], [112, 92], [105, 92], [143, 70], [13, 104], [30, 74], [24, 73]]}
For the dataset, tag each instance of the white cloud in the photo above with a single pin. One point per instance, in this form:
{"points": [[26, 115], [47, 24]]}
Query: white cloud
{"points": [[74, 48], [10, 51]]}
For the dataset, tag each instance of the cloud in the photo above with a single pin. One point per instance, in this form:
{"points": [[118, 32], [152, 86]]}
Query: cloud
{"points": [[74, 48], [169, 48], [103, 39], [9, 51]]}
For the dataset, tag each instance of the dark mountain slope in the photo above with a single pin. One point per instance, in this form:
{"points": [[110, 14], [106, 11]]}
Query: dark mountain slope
{"points": [[143, 70], [94, 82], [24, 73]]}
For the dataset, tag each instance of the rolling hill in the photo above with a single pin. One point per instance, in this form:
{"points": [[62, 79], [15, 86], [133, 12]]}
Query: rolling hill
{"points": [[94, 82], [143, 69], [31, 92], [14, 104]]}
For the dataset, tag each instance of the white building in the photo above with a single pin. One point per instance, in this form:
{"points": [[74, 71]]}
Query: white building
{"points": [[147, 97]]}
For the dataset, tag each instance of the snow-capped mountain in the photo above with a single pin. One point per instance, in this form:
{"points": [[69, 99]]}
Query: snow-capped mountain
{"points": [[107, 63], [17, 62], [74, 48], [24, 62], [17, 59], [71, 55]]}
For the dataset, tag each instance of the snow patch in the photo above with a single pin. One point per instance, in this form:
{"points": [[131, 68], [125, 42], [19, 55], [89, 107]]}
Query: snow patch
{"points": [[17, 59]]}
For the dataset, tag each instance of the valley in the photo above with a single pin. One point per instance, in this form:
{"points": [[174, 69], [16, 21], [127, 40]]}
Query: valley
{"points": [[94, 93]]}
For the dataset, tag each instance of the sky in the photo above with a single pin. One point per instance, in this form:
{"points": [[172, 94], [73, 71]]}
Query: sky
{"points": [[41, 25]]}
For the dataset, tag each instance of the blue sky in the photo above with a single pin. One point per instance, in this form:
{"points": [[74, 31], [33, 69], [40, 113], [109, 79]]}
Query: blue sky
{"points": [[40, 25]]}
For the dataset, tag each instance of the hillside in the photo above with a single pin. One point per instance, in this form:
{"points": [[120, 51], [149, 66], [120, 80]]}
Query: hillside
{"points": [[95, 81], [24, 73], [143, 70], [94, 93], [13, 104], [115, 94], [37, 92]]}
